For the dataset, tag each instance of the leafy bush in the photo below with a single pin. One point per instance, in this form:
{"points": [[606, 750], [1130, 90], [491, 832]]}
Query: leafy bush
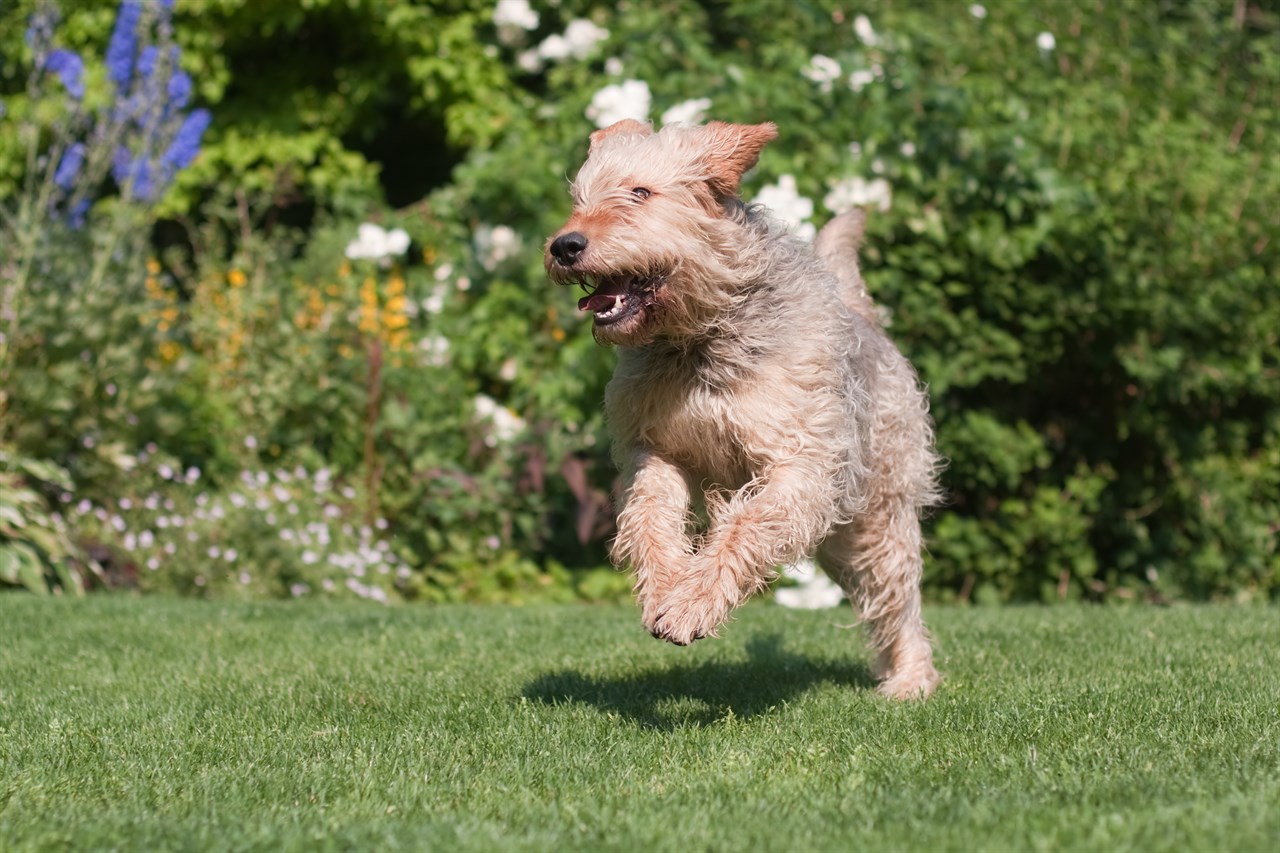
{"points": [[1073, 239], [36, 547]]}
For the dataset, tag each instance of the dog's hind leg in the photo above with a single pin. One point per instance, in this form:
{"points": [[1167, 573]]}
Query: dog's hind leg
{"points": [[877, 561]]}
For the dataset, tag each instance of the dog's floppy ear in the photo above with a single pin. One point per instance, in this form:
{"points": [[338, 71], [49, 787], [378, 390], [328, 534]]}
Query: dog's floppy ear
{"points": [[732, 149], [627, 126]]}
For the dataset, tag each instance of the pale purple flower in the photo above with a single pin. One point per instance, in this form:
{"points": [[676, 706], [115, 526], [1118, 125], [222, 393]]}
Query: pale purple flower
{"points": [[69, 68], [124, 43]]}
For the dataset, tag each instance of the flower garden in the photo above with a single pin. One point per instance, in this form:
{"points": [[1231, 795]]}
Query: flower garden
{"points": [[280, 329]]}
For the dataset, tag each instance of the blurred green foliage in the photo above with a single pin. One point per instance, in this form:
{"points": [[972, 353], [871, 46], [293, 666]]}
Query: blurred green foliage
{"points": [[1080, 256]]}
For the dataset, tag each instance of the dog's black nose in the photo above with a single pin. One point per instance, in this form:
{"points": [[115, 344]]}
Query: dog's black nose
{"points": [[567, 247]]}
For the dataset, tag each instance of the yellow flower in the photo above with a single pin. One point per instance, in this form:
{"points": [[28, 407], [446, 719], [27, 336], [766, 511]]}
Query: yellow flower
{"points": [[169, 351], [394, 321], [153, 266], [557, 334], [395, 285], [236, 278], [344, 269]]}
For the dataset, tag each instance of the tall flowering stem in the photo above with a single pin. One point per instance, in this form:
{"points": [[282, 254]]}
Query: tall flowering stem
{"points": [[139, 141]]}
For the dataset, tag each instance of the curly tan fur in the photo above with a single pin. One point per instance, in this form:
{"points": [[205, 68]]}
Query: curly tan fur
{"points": [[759, 413]]}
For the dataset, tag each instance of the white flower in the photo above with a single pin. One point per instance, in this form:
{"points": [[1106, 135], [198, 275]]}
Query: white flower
{"points": [[513, 18], [814, 591], [529, 61], [582, 37], [554, 48], [687, 112], [978, 11], [146, 539], [822, 70], [244, 578], [506, 423], [310, 558], [298, 590], [250, 442], [434, 303], [628, 99], [908, 149], [153, 563], [859, 192], [496, 243], [435, 350], [1046, 42], [859, 79], [787, 205], [507, 373], [214, 552], [373, 242], [863, 29], [613, 66], [230, 555]]}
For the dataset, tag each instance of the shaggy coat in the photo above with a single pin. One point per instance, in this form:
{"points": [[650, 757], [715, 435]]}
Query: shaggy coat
{"points": [[759, 412]]}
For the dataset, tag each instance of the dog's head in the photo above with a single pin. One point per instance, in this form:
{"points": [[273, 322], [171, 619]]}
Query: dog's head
{"points": [[656, 227]]}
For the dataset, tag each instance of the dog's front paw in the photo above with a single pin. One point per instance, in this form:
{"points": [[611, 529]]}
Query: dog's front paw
{"points": [[683, 619]]}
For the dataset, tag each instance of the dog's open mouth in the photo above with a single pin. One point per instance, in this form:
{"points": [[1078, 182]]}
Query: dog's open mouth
{"points": [[614, 298]]}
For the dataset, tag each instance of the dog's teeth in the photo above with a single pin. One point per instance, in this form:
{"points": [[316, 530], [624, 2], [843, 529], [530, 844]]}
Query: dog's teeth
{"points": [[619, 302]]}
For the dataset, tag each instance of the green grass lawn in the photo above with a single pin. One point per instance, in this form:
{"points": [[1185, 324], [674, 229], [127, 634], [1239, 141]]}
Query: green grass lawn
{"points": [[161, 724]]}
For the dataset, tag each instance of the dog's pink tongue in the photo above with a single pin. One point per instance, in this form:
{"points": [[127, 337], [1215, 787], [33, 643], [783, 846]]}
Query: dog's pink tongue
{"points": [[596, 302], [604, 296]]}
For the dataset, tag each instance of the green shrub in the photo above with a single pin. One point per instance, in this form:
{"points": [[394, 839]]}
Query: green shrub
{"points": [[37, 550], [1074, 240]]}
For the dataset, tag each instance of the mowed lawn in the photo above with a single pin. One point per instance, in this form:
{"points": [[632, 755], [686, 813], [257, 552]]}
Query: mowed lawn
{"points": [[153, 724]]}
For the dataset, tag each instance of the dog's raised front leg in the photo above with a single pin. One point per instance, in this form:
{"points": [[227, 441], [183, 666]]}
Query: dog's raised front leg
{"points": [[770, 522], [653, 529]]}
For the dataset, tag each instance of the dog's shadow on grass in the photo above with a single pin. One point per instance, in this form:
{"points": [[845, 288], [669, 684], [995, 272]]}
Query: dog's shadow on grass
{"points": [[683, 695]]}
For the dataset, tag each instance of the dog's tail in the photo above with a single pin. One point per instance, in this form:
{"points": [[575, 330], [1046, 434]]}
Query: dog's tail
{"points": [[837, 244]]}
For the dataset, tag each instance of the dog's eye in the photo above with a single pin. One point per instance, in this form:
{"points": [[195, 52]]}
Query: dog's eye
{"points": [[640, 193]]}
